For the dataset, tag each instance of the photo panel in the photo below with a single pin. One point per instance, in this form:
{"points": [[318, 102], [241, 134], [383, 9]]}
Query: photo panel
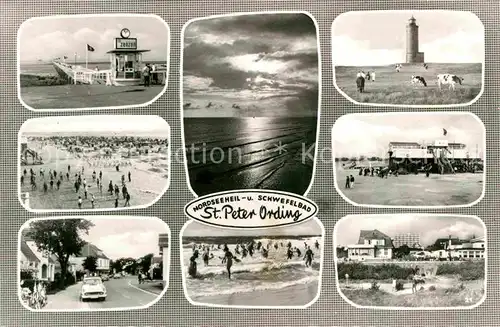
{"points": [[278, 267], [69, 62], [93, 263], [250, 92], [94, 162], [430, 58], [427, 159], [411, 261]]}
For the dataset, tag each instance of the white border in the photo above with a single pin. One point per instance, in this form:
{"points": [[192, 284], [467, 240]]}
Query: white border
{"points": [[18, 77], [211, 305], [399, 216], [408, 105], [181, 86], [335, 177], [117, 218], [142, 206]]}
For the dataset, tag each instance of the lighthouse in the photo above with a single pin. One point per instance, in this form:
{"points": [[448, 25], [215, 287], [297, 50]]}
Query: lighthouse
{"points": [[412, 53]]}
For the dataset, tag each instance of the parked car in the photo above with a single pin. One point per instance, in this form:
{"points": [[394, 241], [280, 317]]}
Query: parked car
{"points": [[116, 276], [93, 288], [104, 277]]}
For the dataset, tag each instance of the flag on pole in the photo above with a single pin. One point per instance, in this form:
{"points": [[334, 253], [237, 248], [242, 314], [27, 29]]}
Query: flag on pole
{"points": [[445, 132], [90, 48], [65, 57]]}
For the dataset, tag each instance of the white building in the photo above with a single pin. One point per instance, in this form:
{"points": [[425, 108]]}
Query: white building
{"points": [[90, 250], [40, 263], [372, 244], [472, 249]]}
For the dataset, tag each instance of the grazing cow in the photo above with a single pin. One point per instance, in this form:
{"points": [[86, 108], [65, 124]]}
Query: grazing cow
{"points": [[450, 79], [418, 80], [360, 83]]}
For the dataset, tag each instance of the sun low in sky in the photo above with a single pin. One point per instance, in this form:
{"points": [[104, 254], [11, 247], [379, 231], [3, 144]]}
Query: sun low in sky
{"points": [[55, 37], [369, 134], [251, 65], [98, 124], [372, 38], [428, 227]]}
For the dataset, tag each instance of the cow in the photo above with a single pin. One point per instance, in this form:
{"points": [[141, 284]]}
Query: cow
{"points": [[360, 82], [450, 79], [418, 80]]}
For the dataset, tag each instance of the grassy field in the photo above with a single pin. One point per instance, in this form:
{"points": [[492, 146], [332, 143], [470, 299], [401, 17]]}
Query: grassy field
{"points": [[391, 87], [412, 190]]}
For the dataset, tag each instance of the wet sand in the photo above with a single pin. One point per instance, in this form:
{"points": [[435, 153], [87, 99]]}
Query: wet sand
{"points": [[413, 190], [296, 295], [86, 96], [149, 178]]}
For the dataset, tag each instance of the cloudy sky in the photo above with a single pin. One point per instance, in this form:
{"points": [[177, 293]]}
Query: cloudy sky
{"points": [[126, 237], [428, 227], [267, 64], [309, 227], [121, 124], [370, 134], [444, 36], [46, 39]]}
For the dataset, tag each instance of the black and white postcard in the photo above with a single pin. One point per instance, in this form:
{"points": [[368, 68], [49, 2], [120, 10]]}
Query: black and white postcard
{"points": [[409, 57], [250, 90], [271, 267], [98, 263], [97, 162], [92, 61], [411, 261], [432, 159]]}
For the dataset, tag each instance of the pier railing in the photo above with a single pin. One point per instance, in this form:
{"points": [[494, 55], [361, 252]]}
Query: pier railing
{"points": [[86, 76]]}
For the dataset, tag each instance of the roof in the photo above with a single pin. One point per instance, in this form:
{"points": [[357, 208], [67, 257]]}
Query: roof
{"points": [[127, 51], [477, 239], [374, 235], [27, 252], [90, 250]]}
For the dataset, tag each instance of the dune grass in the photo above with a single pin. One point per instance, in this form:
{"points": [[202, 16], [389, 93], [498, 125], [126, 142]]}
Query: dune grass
{"points": [[28, 80]]}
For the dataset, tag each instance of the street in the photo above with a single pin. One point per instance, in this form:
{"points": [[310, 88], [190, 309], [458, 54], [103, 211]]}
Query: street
{"points": [[121, 293]]}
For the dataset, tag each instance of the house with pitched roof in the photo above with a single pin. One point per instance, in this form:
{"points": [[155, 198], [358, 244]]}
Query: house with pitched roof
{"points": [[90, 250], [372, 244], [39, 263]]}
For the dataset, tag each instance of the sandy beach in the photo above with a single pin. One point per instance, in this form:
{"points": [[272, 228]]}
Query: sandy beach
{"points": [[149, 178], [296, 295]]}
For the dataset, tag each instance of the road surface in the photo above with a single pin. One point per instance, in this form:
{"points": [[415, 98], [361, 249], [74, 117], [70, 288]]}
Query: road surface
{"points": [[122, 293]]}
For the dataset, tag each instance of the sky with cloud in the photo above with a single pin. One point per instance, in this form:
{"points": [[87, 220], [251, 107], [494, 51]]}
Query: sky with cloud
{"points": [[379, 37], [120, 124], [428, 227], [265, 64], [46, 39], [369, 134], [309, 227], [126, 237]]}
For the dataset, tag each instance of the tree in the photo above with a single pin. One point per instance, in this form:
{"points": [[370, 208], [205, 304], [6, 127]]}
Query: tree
{"points": [[402, 251], [60, 237], [145, 262], [90, 264]]}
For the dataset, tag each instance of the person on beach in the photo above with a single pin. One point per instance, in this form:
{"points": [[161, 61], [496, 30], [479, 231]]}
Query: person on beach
{"points": [[206, 257], [93, 175], [116, 202], [146, 73], [69, 168], [45, 187], [100, 175], [124, 191], [348, 182], [80, 201], [298, 252], [85, 191], [25, 172], [352, 182], [123, 179], [110, 187], [22, 180], [58, 184], [129, 177], [309, 257], [289, 253], [229, 262], [316, 245], [92, 201], [51, 184], [127, 200], [192, 270], [117, 190]]}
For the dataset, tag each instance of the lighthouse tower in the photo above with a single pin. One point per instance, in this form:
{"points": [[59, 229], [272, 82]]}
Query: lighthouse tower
{"points": [[412, 54]]}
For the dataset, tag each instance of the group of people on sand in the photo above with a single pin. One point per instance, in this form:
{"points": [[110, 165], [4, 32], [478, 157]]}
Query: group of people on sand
{"points": [[80, 184], [244, 250]]}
